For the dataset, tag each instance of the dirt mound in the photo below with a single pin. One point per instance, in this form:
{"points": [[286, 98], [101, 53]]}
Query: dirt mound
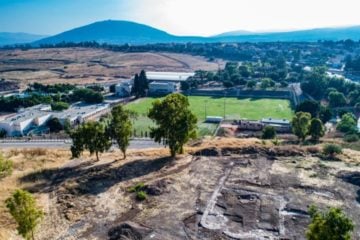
{"points": [[128, 231], [159, 187]]}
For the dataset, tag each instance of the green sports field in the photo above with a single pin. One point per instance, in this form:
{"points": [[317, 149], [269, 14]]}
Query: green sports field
{"points": [[252, 109]]}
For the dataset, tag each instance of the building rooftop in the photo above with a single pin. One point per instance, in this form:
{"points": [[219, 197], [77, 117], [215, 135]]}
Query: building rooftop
{"points": [[169, 76], [80, 110], [275, 121], [28, 114]]}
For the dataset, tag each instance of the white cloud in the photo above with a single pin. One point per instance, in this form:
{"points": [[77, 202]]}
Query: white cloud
{"points": [[207, 17]]}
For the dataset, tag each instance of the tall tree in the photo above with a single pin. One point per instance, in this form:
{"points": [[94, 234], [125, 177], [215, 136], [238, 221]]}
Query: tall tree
{"points": [[316, 129], [144, 83], [337, 99], [347, 123], [300, 125], [176, 124], [90, 136], [136, 88], [23, 209], [330, 225], [120, 127], [310, 106]]}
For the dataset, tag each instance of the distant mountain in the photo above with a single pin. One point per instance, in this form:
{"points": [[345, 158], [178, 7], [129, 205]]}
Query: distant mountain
{"points": [[234, 33], [117, 32], [122, 32], [7, 38], [310, 35]]}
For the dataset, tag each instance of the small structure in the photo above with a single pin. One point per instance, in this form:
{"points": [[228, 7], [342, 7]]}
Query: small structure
{"points": [[280, 125], [249, 125], [213, 119], [161, 88], [124, 89]]}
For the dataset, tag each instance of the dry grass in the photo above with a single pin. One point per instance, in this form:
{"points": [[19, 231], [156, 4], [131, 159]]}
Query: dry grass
{"points": [[25, 161], [81, 66]]}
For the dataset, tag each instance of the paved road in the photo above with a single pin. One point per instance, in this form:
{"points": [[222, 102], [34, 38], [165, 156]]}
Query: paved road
{"points": [[134, 144]]}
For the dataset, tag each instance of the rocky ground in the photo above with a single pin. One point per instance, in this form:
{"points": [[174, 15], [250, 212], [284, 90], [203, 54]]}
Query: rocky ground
{"points": [[246, 191]]}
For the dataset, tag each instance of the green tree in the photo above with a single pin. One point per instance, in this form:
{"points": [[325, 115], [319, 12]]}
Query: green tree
{"points": [[23, 209], [266, 83], [141, 85], [120, 127], [90, 136], [337, 99], [54, 125], [300, 125], [316, 129], [347, 123], [269, 132], [176, 124], [310, 106], [251, 84], [59, 106], [330, 225], [325, 114]]}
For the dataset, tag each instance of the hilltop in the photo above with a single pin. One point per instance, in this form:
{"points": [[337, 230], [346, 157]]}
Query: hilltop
{"points": [[125, 32]]}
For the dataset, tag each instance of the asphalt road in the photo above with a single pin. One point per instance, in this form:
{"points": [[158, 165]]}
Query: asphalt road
{"points": [[134, 144]]}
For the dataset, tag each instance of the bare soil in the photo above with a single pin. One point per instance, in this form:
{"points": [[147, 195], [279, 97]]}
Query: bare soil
{"points": [[83, 65], [221, 189]]}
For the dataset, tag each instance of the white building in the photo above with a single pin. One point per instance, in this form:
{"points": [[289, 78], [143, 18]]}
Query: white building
{"points": [[20, 123], [27, 119], [159, 88], [124, 89], [177, 77], [79, 113]]}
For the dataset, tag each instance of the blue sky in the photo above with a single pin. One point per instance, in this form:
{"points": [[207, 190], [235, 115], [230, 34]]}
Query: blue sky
{"points": [[182, 17]]}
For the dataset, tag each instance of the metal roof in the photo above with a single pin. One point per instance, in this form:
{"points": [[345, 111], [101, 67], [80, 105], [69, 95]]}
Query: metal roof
{"points": [[169, 76]]}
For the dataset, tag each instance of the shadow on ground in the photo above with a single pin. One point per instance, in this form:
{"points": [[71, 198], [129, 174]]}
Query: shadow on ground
{"points": [[92, 179]]}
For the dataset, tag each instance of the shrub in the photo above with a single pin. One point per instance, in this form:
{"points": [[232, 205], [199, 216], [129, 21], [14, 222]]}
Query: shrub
{"points": [[332, 149], [351, 138], [269, 132], [330, 224], [138, 187], [141, 195], [6, 167]]}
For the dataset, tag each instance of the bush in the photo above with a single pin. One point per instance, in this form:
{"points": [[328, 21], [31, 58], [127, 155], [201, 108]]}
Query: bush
{"points": [[269, 132], [141, 195], [59, 106], [351, 138], [138, 187], [332, 149], [6, 167]]}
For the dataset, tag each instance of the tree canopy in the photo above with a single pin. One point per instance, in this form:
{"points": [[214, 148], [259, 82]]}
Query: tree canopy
{"points": [[176, 124], [23, 209], [300, 124], [332, 224], [120, 127], [90, 136]]}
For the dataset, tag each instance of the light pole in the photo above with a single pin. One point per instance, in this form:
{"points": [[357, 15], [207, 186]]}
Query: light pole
{"points": [[224, 104], [205, 109]]}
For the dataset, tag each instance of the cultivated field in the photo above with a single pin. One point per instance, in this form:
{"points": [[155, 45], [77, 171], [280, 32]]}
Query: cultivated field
{"points": [[82, 65], [253, 109]]}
